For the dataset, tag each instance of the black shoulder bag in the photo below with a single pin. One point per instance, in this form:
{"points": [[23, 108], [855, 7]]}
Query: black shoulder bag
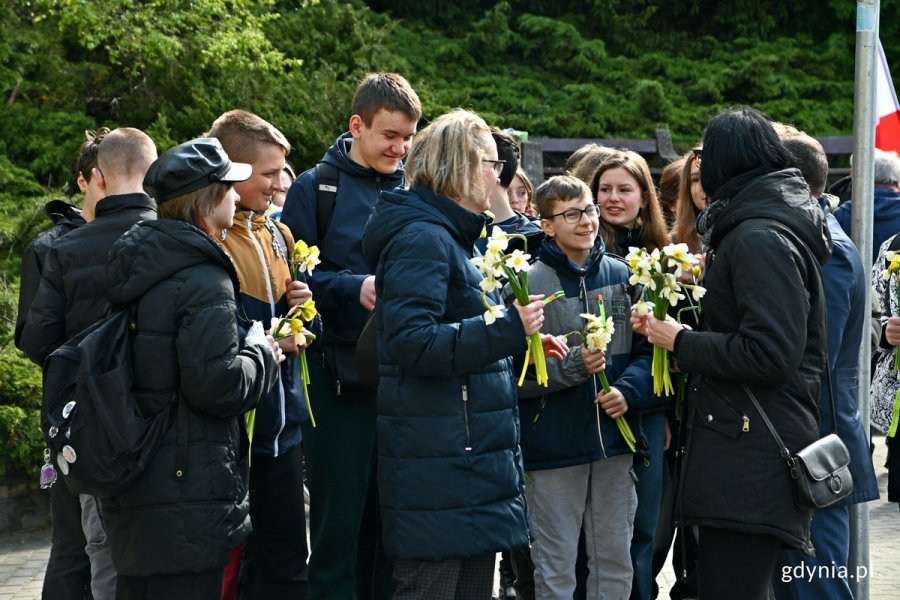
{"points": [[820, 472]]}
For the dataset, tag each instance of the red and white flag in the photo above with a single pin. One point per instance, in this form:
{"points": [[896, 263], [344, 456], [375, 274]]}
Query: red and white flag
{"points": [[887, 109]]}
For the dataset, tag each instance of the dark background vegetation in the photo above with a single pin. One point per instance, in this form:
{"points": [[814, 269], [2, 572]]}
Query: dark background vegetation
{"points": [[594, 68]]}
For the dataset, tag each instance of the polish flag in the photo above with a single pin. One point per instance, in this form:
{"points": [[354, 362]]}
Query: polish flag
{"points": [[887, 109]]}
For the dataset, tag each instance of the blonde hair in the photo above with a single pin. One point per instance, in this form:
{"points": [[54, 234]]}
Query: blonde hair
{"points": [[241, 132], [650, 218], [446, 156], [195, 206]]}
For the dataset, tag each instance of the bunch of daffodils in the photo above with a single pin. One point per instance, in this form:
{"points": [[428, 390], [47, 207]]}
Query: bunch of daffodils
{"points": [[660, 272]]}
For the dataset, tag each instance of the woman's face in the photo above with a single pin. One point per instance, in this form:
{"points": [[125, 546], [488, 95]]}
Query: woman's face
{"points": [[620, 197], [489, 175], [518, 195], [222, 216], [698, 196]]}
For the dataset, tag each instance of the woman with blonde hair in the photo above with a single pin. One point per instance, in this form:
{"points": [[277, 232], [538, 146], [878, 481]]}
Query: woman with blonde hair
{"points": [[450, 477]]}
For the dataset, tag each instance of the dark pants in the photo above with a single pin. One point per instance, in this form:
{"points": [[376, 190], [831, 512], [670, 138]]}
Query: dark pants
{"points": [[274, 558], [830, 533], [460, 579], [196, 586], [649, 475], [347, 559], [735, 565], [68, 575]]}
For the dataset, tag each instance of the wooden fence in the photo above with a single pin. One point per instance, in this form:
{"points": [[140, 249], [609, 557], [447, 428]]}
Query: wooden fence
{"points": [[545, 157]]}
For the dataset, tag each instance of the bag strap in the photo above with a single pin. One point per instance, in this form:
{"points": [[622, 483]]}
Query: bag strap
{"points": [[326, 195], [785, 453]]}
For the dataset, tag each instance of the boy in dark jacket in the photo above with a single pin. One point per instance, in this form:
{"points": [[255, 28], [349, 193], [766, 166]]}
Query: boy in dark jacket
{"points": [[578, 466], [72, 292], [274, 560], [346, 558]]}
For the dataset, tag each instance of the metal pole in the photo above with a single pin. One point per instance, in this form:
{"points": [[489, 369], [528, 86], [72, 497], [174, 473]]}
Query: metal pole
{"points": [[867, 12]]}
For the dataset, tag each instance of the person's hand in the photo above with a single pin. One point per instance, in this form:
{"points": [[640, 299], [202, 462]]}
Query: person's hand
{"points": [[367, 293], [276, 349], [613, 403], [658, 332], [892, 331], [594, 360], [289, 345], [297, 292], [667, 436], [554, 347], [532, 314]]}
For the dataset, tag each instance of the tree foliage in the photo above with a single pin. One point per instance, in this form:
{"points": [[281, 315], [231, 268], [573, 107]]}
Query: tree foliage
{"points": [[596, 68]]}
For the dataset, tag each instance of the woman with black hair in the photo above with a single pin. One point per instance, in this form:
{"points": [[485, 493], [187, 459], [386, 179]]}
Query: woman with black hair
{"points": [[762, 333]]}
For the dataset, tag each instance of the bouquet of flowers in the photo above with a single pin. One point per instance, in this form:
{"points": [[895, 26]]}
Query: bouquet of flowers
{"points": [[894, 269], [598, 332], [660, 272], [498, 268], [305, 258]]}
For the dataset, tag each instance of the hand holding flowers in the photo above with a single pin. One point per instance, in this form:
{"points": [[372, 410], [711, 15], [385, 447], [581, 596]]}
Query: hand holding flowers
{"points": [[660, 272]]}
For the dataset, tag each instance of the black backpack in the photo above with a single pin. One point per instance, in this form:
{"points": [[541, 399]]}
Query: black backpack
{"points": [[99, 440]]}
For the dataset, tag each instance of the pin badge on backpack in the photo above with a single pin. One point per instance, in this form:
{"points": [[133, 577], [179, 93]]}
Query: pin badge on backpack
{"points": [[69, 454], [68, 408], [62, 464]]}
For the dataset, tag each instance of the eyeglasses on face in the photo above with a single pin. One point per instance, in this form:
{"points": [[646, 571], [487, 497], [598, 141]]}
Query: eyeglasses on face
{"points": [[497, 165], [573, 215]]}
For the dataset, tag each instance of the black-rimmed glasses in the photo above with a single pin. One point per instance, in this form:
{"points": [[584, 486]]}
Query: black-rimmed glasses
{"points": [[497, 165], [573, 215]]}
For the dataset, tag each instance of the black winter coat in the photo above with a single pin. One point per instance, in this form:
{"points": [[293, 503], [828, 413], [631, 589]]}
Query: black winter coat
{"points": [[186, 347], [763, 324], [71, 295], [450, 475]]}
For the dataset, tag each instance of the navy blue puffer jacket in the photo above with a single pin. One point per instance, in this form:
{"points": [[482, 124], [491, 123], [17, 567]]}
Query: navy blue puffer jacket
{"points": [[450, 475]]}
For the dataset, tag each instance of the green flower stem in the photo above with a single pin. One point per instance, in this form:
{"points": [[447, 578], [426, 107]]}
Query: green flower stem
{"points": [[304, 374], [624, 428], [518, 282]]}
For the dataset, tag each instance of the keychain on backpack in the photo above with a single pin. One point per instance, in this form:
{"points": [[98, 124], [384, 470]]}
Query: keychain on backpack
{"points": [[48, 473]]}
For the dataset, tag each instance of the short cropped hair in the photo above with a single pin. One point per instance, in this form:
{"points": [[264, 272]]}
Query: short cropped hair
{"points": [[195, 206], [125, 152], [389, 91], [560, 188], [736, 141], [446, 156], [508, 150], [810, 158], [241, 132], [887, 168], [87, 154]]}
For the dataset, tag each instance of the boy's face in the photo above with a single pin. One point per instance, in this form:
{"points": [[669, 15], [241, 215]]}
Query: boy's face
{"points": [[576, 238], [257, 191], [382, 145]]}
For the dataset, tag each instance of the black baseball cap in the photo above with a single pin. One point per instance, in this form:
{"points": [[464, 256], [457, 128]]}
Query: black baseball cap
{"points": [[191, 166]]}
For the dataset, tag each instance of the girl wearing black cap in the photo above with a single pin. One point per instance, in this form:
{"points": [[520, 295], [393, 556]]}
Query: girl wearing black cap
{"points": [[171, 533]]}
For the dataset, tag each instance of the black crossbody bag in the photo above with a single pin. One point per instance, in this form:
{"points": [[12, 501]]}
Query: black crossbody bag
{"points": [[820, 472]]}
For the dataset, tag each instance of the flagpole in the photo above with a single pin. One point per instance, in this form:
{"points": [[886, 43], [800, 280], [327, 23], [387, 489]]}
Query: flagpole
{"points": [[867, 14]]}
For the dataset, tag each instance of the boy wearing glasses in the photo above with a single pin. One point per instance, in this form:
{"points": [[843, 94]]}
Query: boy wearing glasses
{"points": [[578, 466]]}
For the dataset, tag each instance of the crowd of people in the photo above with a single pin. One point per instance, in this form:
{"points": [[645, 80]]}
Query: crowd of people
{"points": [[460, 451]]}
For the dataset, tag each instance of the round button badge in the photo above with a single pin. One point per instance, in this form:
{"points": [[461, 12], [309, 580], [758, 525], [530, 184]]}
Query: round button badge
{"points": [[69, 454], [63, 465], [68, 408]]}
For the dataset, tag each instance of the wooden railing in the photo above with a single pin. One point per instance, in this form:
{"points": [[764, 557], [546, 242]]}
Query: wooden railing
{"points": [[545, 157]]}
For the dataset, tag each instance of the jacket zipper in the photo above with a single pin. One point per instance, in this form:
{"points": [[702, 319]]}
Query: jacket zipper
{"points": [[265, 270], [582, 293], [745, 420], [465, 399]]}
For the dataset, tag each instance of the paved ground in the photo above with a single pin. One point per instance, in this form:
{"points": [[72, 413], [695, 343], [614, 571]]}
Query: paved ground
{"points": [[23, 555]]}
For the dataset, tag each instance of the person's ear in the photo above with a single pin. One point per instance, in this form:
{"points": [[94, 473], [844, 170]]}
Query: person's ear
{"points": [[547, 227], [101, 181], [82, 183], [356, 125]]}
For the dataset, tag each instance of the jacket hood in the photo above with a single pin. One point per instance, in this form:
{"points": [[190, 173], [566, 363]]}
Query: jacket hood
{"points": [[400, 208], [339, 156], [782, 196], [153, 251]]}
